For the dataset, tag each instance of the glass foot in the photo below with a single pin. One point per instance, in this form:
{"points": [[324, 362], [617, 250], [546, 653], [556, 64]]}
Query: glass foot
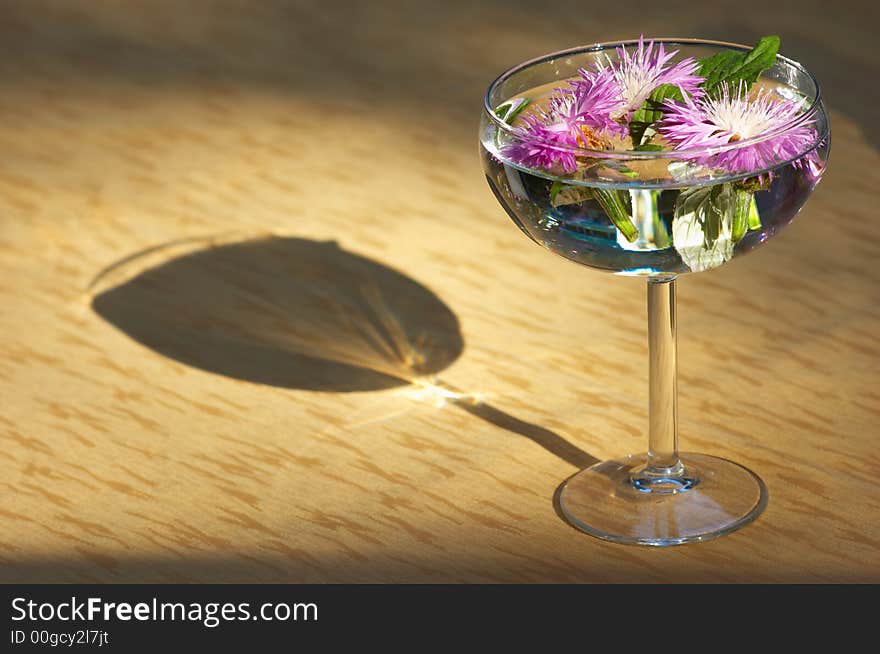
{"points": [[616, 501]]}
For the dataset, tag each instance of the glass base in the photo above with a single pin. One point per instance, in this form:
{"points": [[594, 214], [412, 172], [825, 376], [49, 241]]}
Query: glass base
{"points": [[619, 501]]}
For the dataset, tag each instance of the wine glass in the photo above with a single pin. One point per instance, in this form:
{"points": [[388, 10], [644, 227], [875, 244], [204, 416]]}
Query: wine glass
{"points": [[655, 214]]}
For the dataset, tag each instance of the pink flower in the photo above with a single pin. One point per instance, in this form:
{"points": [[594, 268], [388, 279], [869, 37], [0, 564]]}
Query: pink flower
{"points": [[576, 117], [596, 97], [538, 145], [639, 73], [732, 117]]}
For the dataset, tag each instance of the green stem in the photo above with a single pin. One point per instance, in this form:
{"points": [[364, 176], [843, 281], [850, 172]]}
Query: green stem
{"points": [[754, 216], [741, 212], [661, 235], [615, 209]]}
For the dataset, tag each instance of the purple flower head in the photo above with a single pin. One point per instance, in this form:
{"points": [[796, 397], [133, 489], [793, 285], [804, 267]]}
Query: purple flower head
{"points": [[538, 145], [733, 117], [576, 117], [597, 98], [638, 73]]}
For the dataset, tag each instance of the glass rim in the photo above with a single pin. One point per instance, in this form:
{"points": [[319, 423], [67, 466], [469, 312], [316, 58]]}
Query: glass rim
{"points": [[800, 119]]}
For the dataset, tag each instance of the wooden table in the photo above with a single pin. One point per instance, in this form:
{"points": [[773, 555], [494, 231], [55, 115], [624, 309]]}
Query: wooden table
{"points": [[232, 234]]}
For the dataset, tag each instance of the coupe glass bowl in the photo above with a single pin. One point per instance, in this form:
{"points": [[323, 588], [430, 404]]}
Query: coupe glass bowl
{"points": [[656, 215]]}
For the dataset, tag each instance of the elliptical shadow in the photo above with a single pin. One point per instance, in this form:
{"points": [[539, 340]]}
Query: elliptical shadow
{"points": [[302, 314], [288, 312]]}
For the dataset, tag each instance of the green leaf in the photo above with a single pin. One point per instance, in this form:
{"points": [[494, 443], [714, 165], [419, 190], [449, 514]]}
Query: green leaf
{"points": [[711, 68], [723, 208], [649, 147], [615, 208], [700, 218], [509, 110], [562, 194], [652, 110], [712, 218], [692, 200], [618, 167], [732, 68], [713, 207]]}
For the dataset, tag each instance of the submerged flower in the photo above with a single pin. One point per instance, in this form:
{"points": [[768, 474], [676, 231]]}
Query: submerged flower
{"points": [[732, 117], [577, 116], [638, 73]]}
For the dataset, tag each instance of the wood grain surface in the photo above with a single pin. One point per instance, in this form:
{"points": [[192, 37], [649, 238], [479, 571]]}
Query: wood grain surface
{"points": [[233, 234]]}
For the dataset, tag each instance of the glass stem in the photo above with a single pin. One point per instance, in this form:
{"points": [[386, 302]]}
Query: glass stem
{"points": [[663, 458]]}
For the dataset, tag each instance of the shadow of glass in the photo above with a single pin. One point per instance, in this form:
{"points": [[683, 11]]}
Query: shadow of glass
{"points": [[288, 312], [549, 440], [303, 314]]}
